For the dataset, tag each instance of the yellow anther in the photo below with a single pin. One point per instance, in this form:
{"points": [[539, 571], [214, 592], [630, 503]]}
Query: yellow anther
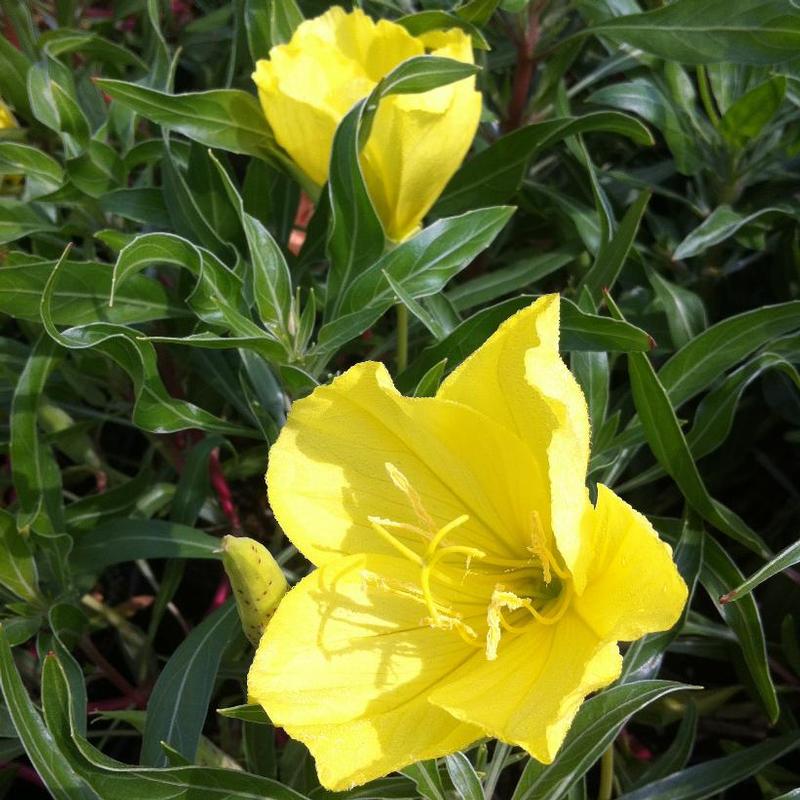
{"points": [[404, 485], [494, 617], [542, 552]]}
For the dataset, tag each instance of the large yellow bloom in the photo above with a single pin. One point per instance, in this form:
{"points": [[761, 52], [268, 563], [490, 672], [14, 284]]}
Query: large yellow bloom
{"points": [[466, 586], [417, 141]]}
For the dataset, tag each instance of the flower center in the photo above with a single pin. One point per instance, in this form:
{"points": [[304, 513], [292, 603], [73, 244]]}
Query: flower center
{"points": [[532, 589]]}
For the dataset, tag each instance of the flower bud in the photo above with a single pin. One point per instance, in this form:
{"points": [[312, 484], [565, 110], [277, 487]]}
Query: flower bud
{"points": [[417, 141], [258, 582]]}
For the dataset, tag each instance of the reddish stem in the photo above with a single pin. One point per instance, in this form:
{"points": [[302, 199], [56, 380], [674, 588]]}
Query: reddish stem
{"points": [[525, 69], [223, 490]]}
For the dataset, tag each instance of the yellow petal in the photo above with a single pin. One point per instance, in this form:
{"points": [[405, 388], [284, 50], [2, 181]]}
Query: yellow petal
{"points": [[346, 663], [328, 470], [418, 141], [530, 694], [355, 752], [633, 586], [517, 376], [304, 94]]}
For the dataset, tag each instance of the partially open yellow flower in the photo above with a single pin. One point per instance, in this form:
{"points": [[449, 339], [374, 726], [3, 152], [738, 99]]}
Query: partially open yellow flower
{"points": [[466, 584], [417, 141]]}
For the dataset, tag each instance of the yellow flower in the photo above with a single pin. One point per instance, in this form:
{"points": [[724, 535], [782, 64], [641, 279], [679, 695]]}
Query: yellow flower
{"points": [[7, 119], [466, 586], [417, 141]]}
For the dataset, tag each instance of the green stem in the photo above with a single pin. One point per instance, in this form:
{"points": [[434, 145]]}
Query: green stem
{"points": [[402, 337], [705, 96], [606, 790]]}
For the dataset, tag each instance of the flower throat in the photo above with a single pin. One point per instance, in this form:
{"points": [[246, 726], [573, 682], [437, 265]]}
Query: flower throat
{"points": [[535, 588]]}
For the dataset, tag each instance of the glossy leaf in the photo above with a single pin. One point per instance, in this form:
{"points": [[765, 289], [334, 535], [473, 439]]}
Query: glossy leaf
{"points": [[718, 574], [129, 539], [707, 31], [785, 559], [228, 119], [177, 707]]}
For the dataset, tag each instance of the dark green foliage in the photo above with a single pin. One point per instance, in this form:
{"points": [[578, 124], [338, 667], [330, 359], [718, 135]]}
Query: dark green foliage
{"points": [[159, 317]]}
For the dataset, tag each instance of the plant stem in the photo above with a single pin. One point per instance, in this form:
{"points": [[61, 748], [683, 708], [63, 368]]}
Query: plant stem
{"points": [[402, 337], [525, 69], [606, 790]]}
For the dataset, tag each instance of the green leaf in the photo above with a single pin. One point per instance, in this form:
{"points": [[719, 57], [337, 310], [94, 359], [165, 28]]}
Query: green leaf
{"points": [[429, 383], [511, 278], [495, 174], [714, 418], [217, 295], [33, 163], [35, 472], [14, 66], [743, 618], [644, 98], [18, 571], [425, 21], [477, 11], [250, 712], [699, 363], [59, 777], [425, 775], [269, 275], [723, 223], [583, 331], [668, 443], [141, 204], [122, 540], [747, 117], [110, 778], [190, 204], [19, 219], [228, 119], [465, 780], [785, 559], [355, 233], [612, 254], [711, 778], [176, 710], [596, 725], [685, 312], [708, 31], [421, 265], [284, 17], [82, 293]]}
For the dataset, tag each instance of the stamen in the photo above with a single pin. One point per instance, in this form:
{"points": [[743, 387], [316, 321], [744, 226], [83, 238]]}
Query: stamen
{"points": [[494, 617], [503, 599], [404, 485], [378, 525], [541, 551], [442, 533]]}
